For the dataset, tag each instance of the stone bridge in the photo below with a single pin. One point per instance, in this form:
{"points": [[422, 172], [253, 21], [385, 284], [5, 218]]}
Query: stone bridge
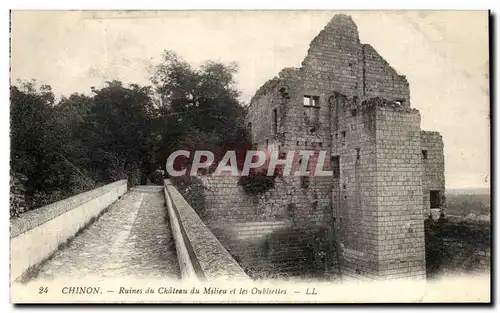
{"points": [[141, 232]]}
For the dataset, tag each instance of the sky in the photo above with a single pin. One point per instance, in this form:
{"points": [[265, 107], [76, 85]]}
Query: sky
{"points": [[444, 55]]}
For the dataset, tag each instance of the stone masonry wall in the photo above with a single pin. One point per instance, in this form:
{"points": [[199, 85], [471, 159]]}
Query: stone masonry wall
{"points": [[381, 80], [260, 110], [355, 196], [229, 207], [243, 222], [433, 167], [400, 231]]}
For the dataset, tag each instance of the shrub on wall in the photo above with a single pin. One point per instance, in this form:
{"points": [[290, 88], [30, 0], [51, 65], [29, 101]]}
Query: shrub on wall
{"points": [[257, 182]]}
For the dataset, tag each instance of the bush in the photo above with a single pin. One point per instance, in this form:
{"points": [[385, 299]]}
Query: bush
{"points": [[156, 178], [438, 255], [193, 190], [257, 182], [17, 194]]}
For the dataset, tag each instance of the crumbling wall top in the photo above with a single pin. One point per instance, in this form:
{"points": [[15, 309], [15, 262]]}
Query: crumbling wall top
{"points": [[384, 103], [430, 134], [340, 26], [342, 21], [370, 50], [290, 72], [268, 87]]}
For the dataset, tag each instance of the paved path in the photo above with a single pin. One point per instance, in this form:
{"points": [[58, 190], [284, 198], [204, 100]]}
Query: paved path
{"points": [[132, 239]]}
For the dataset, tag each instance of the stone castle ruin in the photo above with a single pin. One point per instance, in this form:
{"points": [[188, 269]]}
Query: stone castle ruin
{"points": [[388, 174]]}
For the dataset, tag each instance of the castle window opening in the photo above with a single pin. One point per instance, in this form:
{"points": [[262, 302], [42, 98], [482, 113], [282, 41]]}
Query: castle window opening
{"points": [[354, 112], [335, 161], [357, 153], [424, 154], [307, 101], [284, 93], [311, 101], [399, 102], [275, 121], [304, 182]]}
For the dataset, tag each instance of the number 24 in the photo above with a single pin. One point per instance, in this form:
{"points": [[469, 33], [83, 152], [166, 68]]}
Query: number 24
{"points": [[43, 290]]}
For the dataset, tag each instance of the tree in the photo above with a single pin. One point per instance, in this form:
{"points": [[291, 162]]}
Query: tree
{"points": [[37, 144], [117, 132], [198, 108]]}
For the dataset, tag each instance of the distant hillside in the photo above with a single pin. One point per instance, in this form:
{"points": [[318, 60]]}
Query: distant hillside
{"points": [[463, 202], [468, 191]]}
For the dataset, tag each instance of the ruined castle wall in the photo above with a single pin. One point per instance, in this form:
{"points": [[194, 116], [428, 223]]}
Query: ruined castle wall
{"points": [[243, 223], [357, 196], [334, 60], [400, 231], [259, 113], [228, 203], [298, 128], [308, 128], [431, 144], [381, 80]]}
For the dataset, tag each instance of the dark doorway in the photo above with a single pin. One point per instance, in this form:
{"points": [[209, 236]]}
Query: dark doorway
{"points": [[435, 196]]}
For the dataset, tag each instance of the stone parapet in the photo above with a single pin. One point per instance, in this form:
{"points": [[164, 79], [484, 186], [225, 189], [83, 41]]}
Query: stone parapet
{"points": [[35, 235], [196, 243]]}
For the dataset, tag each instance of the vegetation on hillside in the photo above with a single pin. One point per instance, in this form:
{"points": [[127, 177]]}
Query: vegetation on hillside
{"points": [[465, 204]]}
